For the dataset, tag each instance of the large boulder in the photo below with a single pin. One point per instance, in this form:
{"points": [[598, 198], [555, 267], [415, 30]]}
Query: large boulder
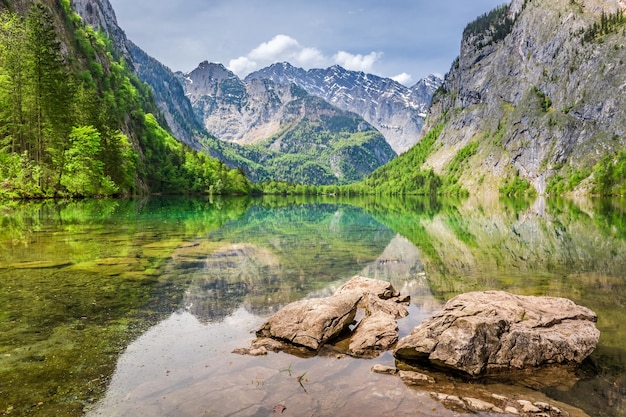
{"points": [[487, 332], [312, 322]]}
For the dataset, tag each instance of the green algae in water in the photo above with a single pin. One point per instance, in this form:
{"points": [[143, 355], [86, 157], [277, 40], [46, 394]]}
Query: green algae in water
{"points": [[80, 280], [62, 334], [78, 283]]}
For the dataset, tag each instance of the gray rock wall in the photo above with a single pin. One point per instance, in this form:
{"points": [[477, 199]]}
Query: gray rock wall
{"points": [[495, 93]]}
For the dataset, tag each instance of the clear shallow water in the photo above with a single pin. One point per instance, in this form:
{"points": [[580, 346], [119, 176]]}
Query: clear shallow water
{"points": [[133, 307]]}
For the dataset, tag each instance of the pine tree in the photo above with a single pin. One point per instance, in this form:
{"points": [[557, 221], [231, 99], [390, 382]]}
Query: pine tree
{"points": [[12, 49], [51, 94]]}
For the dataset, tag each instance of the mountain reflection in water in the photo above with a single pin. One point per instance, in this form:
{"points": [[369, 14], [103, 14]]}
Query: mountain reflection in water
{"points": [[183, 365]]}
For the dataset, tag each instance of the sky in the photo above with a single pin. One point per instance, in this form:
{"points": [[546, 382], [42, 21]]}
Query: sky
{"points": [[401, 39]]}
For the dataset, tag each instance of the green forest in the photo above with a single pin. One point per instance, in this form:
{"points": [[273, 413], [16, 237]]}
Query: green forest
{"points": [[403, 176], [76, 122]]}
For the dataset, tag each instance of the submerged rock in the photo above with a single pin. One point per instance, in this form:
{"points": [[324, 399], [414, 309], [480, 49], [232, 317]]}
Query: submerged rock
{"points": [[260, 347], [415, 378], [487, 332], [466, 396], [473, 405], [499, 404], [384, 369], [37, 265]]}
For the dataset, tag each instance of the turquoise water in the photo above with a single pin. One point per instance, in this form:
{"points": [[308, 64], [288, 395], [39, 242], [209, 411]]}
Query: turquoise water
{"points": [[132, 307]]}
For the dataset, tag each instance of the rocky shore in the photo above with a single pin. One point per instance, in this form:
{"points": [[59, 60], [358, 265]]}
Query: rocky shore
{"points": [[492, 334]]}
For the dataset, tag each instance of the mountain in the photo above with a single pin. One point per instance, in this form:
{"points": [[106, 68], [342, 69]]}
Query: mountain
{"points": [[536, 100], [167, 89], [293, 135], [233, 110], [242, 114], [395, 110], [170, 97]]}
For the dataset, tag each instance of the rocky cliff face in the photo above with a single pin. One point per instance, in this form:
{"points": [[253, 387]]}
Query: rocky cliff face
{"points": [[100, 15], [296, 136], [395, 110], [539, 89], [234, 111], [170, 97]]}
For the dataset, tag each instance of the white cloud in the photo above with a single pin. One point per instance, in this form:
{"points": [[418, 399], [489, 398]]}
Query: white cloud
{"points": [[357, 62], [242, 66], [310, 57], [280, 46], [403, 78], [283, 48]]}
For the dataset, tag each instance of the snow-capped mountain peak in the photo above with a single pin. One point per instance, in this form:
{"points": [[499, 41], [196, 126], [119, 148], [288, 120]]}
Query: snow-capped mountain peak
{"points": [[395, 110]]}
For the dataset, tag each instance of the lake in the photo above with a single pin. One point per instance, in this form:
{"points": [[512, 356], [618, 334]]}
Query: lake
{"points": [[133, 307]]}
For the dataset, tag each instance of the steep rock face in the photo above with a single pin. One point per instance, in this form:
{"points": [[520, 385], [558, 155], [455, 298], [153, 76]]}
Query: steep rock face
{"points": [[235, 111], [100, 15], [541, 95], [395, 110], [170, 97]]}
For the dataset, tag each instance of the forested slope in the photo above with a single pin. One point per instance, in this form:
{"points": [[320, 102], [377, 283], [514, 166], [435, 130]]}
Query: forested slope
{"points": [[75, 121]]}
